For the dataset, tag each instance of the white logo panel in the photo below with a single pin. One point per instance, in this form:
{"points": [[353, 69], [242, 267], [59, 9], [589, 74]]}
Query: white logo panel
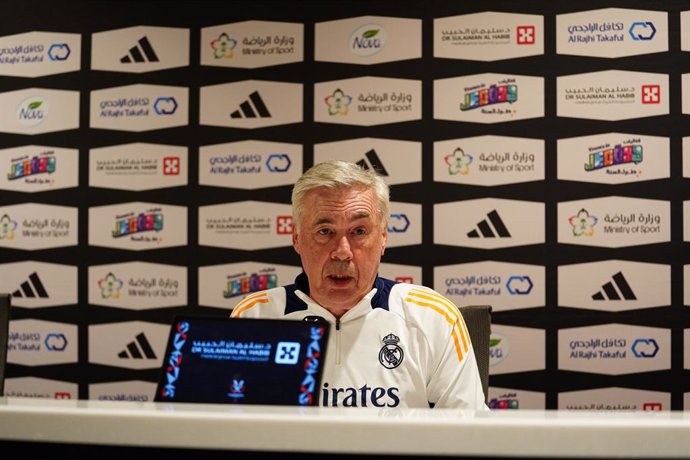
{"points": [[686, 351], [38, 110], [250, 164], [401, 273], [131, 345], [404, 225], [138, 285], [132, 390], [516, 349], [224, 286], [614, 158], [246, 225], [614, 399], [34, 342], [252, 44], [686, 221], [138, 226], [685, 85], [489, 98], [612, 95], [614, 349], [511, 398], [32, 226], [140, 49], [614, 222], [612, 32], [34, 387], [489, 223], [686, 282], [686, 157], [614, 285], [138, 166], [489, 160], [489, 36], [35, 168], [504, 286], [685, 40], [368, 101], [39, 284], [398, 162], [139, 107], [368, 40], [35, 54]]}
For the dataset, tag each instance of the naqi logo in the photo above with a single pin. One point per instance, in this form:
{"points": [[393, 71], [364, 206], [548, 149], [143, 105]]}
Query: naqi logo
{"points": [[7, 227], [526, 35], [223, 47], [110, 286], [165, 105], [284, 225], [32, 111], [368, 40], [499, 349], [583, 224], [338, 103], [59, 52], [458, 162], [25, 166], [131, 223], [480, 95], [618, 155], [242, 284]]}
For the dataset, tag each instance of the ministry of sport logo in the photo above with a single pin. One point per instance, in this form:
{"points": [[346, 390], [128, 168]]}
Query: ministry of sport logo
{"points": [[583, 223], [391, 355], [338, 103]]}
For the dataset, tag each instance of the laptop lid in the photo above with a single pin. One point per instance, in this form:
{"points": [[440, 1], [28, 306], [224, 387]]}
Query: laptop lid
{"points": [[243, 361]]}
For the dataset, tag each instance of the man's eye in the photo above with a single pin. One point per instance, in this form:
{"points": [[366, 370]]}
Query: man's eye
{"points": [[360, 231], [324, 231]]}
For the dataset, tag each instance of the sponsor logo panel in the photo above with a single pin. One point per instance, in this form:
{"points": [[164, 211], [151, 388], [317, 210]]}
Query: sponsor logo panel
{"points": [[686, 220], [612, 32], [615, 399], [138, 166], [35, 168], [223, 286], [404, 225], [38, 110], [252, 44], [368, 101], [138, 226], [685, 92], [245, 225], [511, 398], [138, 285], [39, 284], [131, 344], [686, 350], [685, 37], [250, 164], [140, 49], [368, 40], [504, 286], [489, 36], [139, 107], [489, 223], [614, 158], [614, 222], [251, 104], [35, 54], [34, 342], [489, 160], [686, 157], [489, 98], [612, 95], [31, 226], [131, 390], [614, 349], [34, 387], [516, 349], [401, 273], [686, 282], [614, 285], [398, 162]]}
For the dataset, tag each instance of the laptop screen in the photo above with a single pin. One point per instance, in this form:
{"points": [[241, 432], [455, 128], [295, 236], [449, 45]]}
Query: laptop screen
{"points": [[243, 361]]}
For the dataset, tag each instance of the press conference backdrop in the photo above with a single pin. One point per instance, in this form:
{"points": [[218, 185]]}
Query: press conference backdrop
{"points": [[538, 154]]}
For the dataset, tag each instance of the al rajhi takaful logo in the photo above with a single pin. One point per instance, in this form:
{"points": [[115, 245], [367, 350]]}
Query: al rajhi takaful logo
{"points": [[32, 111]]}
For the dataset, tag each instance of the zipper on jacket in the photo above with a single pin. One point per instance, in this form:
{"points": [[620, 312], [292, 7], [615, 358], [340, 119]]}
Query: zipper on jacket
{"points": [[337, 341]]}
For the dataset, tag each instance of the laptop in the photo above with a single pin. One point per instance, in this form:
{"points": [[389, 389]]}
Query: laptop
{"points": [[243, 361]]}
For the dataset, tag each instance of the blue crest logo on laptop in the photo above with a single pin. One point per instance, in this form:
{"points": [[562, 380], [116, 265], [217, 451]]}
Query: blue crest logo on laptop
{"points": [[237, 388], [287, 352]]}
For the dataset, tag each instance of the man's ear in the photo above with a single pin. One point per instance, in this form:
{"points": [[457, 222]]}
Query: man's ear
{"points": [[384, 240], [295, 239]]}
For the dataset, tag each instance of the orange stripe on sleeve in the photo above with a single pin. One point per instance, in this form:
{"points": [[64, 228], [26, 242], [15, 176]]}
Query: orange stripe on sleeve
{"points": [[452, 321], [248, 303], [450, 308]]}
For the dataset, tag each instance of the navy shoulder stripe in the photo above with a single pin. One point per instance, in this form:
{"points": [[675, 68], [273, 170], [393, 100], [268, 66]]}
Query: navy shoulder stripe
{"points": [[292, 302], [383, 291]]}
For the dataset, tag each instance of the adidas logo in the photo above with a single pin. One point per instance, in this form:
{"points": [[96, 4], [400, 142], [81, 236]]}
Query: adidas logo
{"points": [[142, 52], [374, 162], [31, 288], [490, 228], [252, 108], [139, 348], [616, 289]]}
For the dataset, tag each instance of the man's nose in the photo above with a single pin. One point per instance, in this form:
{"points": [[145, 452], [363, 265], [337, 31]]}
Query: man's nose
{"points": [[342, 250]]}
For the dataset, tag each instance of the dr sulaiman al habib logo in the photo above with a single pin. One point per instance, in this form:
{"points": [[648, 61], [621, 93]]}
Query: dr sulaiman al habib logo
{"points": [[368, 40], [32, 111]]}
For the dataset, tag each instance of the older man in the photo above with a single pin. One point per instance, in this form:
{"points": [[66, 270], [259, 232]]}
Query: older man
{"points": [[394, 344]]}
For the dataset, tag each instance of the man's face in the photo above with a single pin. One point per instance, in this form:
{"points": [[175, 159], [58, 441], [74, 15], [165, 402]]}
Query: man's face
{"points": [[340, 242]]}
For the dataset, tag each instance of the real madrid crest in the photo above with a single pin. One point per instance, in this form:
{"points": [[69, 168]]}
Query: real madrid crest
{"points": [[391, 355]]}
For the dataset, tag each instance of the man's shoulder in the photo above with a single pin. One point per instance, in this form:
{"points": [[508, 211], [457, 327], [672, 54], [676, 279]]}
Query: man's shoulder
{"points": [[269, 303], [421, 304]]}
